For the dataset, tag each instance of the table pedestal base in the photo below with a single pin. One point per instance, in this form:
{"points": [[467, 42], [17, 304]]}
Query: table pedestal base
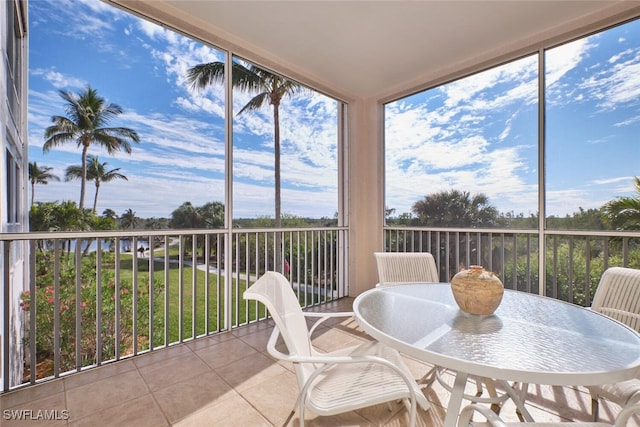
{"points": [[457, 395]]}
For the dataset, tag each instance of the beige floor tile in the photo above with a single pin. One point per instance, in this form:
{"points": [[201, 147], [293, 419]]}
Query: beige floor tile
{"points": [[557, 403], [250, 371], [31, 393], [104, 394], [160, 355], [339, 305], [225, 353], [416, 367], [97, 374], [138, 412], [180, 399], [334, 339], [173, 370], [258, 340], [384, 414], [233, 412], [253, 328], [275, 397], [348, 419], [50, 411], [205, 342]]}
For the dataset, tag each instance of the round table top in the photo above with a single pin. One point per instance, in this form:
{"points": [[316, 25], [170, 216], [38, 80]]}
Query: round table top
{"points": [[529, 338]]}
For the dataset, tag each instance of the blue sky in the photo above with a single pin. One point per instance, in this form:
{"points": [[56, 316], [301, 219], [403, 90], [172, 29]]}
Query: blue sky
{"points": [[478, 134], [181, 157]]}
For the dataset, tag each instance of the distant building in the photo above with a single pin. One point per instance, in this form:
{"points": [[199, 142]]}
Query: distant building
{"points": [[14, 166]]}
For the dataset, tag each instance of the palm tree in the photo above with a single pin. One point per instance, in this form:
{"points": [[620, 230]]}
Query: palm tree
{"points": [[456, 209], [186, 216], [623, 213], [87, 114], [128, 219], [39, 175], [96, 172], [271, 88], [109, 213]]}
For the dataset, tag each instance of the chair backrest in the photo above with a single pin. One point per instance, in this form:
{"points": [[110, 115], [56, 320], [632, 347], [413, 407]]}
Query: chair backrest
{"points": [[618, 296], [406, 267], [275, 292]]}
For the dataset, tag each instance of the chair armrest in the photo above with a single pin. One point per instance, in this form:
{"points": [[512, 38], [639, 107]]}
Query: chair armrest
{"points": [[467, 414], [271, 346], [274, 352], [318, 358], [325, 316], [623, 417], [328, 361]]}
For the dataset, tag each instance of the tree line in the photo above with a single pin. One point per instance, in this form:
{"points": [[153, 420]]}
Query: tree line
{"points": [[461, 209]]}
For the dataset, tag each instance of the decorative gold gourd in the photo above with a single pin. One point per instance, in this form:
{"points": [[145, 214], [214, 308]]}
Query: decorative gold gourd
{"points": [[477, 291]]}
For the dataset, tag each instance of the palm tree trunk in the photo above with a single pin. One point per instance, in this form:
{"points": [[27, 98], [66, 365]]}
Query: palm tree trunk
{"points": [[33, 193], [83, 181], [276, 147], [95, 198]]}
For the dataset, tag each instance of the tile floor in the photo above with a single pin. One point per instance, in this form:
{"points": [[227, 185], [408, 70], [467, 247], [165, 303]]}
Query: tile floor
{"points": [[230, 380]]}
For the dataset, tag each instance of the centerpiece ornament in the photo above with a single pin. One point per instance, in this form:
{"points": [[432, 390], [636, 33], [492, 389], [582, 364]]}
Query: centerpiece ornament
{"points": [[477, 291]]}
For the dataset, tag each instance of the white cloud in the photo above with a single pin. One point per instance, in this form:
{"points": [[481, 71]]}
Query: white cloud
{"points": [[611, 180], [57, 79], [151, 30], [562, 59]]}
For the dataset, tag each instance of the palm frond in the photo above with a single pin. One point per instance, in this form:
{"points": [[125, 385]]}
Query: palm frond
{"points": [[623, 213], [256, 102], [202, 75], [73, 172]]}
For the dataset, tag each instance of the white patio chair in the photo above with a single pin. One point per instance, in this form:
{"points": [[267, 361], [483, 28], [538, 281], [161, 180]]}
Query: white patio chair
{"points": [[493, 420], [618, 296], [335, 382], [406, 267]]}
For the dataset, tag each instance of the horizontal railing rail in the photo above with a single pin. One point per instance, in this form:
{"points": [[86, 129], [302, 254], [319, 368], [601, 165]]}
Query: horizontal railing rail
{"points": [[95, 297]]}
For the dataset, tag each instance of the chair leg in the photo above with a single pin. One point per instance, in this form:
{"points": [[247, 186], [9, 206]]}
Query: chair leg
{"points": [[403, 404], [595, 408], [288, 418], [491, 389], [479, 390], [524, 389], [302, 415], [412, 407], [428, 378]]}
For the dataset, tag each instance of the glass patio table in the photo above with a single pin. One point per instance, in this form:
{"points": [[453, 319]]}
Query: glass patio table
{"points": [[529, 339]]}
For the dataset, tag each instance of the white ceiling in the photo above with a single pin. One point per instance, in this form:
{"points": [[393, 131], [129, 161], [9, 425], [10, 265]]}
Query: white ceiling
{"points": [[371, 49]]}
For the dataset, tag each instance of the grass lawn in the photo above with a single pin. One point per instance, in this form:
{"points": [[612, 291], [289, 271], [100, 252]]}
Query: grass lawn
{"points": [[181, 301]]}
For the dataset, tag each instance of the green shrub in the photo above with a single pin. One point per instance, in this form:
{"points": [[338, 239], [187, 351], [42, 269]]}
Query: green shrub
{"points": [[93, 306]]}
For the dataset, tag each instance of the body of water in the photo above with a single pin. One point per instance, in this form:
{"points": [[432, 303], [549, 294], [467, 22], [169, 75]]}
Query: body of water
{"points": [[126, 245]]}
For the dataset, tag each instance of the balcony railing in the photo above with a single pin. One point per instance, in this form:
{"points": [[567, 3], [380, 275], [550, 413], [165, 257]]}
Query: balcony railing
{"points": [[93, 298], [572, 264]]}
